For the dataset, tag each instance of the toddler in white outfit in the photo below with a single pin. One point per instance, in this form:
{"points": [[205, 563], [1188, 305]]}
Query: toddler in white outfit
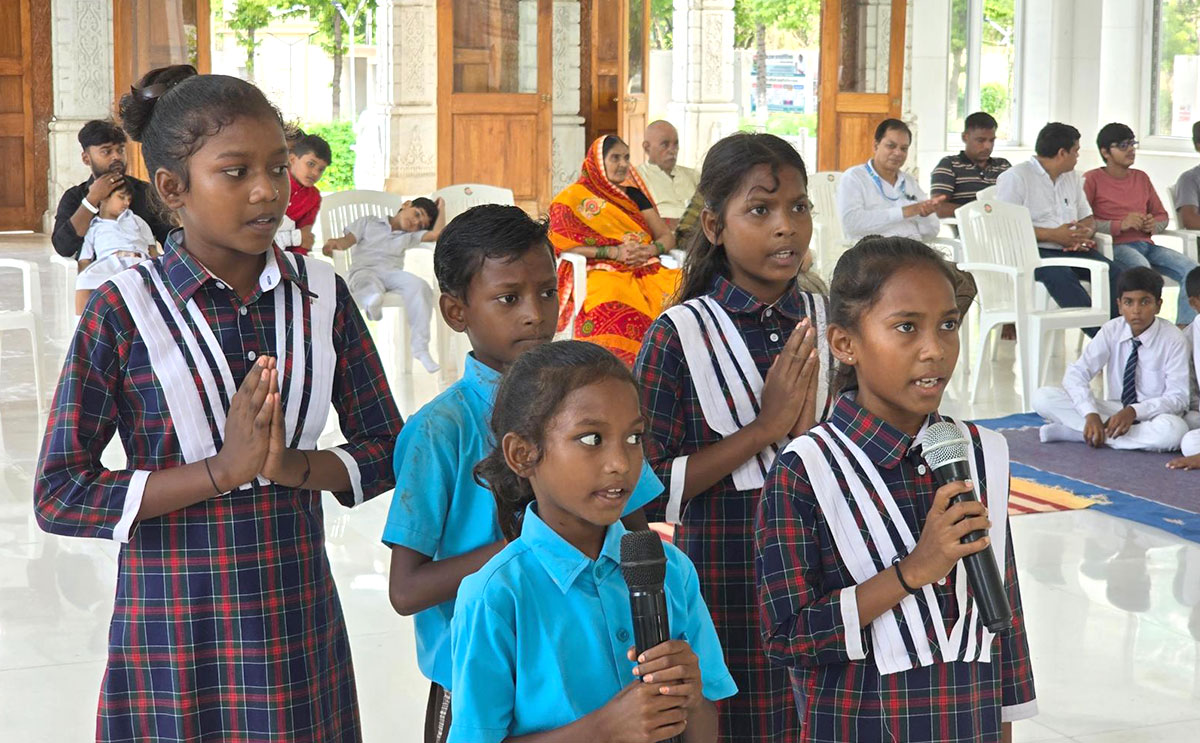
{"points": [[116, 239]]}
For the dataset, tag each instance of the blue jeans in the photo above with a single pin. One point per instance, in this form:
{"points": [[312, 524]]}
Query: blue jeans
{"points": [[1167, 262], [1065, 283]]}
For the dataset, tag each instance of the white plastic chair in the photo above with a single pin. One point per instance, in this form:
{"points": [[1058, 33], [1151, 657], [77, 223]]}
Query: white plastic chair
{"points": [[462, 196], [338, 211], [1000, 251], [1187, 238], [28, 318], [578, 290], [987, 194], [828, 238]]}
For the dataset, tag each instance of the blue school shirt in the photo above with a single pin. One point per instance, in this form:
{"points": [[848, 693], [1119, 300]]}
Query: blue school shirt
{"points": [[541, 633], [438, 509]]}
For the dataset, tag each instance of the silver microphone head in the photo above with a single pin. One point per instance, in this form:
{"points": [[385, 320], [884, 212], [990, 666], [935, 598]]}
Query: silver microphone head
{"points": [[944, 443]]}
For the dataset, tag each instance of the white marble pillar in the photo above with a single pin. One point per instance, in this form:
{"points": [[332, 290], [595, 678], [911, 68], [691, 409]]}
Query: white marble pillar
{"points": [[405, 113], [702, 105], [82, 68], [567, 145]]}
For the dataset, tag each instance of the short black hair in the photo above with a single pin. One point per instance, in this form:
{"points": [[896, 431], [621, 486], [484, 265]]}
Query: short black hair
{"points": [[1055, 136], [1111, 134], [1191, 283], [486, 231], [429, 206], [314, 144], [1196, 133], [980, 120], [1140, 278], [888, 125], [100, 132]]}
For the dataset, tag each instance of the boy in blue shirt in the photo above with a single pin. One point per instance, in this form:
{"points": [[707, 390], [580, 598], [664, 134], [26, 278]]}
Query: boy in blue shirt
{"points": [[496, 270]]}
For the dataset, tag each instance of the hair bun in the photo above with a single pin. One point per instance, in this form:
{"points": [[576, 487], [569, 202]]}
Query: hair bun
{"points": [[137, 106]]}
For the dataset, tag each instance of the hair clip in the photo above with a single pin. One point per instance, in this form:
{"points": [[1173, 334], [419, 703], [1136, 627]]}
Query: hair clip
{"points": [[150, 92]]}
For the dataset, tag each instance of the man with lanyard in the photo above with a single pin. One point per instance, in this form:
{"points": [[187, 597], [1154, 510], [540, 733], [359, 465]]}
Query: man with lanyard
{"points": [[103, 144], [876, 198]]}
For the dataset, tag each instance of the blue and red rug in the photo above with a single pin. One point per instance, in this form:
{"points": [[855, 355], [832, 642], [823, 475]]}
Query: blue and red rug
{"points": [[1132, 485]]}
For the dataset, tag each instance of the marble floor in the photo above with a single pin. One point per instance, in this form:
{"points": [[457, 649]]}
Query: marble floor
{"points": [[1113, 607]]}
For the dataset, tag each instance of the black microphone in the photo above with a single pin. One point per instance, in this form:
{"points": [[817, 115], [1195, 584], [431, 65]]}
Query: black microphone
{"points": [[945, 450], [644, 566]]}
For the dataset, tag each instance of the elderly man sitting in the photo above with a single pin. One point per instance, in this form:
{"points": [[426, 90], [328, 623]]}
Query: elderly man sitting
{"points": [[671, 186]]}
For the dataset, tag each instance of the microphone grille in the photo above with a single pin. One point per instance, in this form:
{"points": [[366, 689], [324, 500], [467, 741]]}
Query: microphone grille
{"points": [[942, 444], [643, 562]]}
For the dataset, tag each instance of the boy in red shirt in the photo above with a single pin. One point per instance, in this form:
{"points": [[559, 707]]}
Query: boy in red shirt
{"points": [[307, 161], [1126, 206]]}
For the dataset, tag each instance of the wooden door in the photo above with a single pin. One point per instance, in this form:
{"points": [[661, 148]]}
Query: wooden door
{"points": [[156, 33], [634, 102], [862, 77], [25, 108], [615, 62], [494, 110]]}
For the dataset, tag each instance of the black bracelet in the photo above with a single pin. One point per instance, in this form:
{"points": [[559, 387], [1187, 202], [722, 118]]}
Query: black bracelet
{"points": [[904, 584], [307, 469], [213, 480]]}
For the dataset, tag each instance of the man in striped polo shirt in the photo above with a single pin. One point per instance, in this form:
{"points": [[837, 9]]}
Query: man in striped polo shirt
{"points": [[959, 177]]}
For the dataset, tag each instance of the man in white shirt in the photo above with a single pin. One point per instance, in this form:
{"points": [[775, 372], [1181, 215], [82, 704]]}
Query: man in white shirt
{"points": [[671, 185], [1051, 189], [876, 198], [1148, 387]]}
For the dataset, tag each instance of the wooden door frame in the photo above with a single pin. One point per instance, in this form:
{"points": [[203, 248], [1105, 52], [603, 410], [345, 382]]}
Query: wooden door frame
{"points": [[123, 48], [888, 105], [33, 66], [447, 98], [623, 75]]}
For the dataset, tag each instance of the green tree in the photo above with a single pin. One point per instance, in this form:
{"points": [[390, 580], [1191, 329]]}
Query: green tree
{"points": [[247, 18], [1178, 36], [662, 24], [331, 33], [751, 18]]}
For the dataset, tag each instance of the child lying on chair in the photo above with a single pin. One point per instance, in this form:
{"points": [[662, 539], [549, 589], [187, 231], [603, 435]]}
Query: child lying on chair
{"points": [[377, 266]]}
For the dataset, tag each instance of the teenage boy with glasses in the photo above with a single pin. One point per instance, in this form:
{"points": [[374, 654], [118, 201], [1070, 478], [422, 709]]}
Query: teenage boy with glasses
{"points": [[1126, 206]]}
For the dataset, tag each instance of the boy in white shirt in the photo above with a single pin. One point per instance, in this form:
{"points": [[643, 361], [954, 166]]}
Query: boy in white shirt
{"points": [[116, 239], [377, 267], [1146, 359], [1190, 446]]}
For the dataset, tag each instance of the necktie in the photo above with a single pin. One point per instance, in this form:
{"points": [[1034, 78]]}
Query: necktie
{"points": [[1129, 380]]}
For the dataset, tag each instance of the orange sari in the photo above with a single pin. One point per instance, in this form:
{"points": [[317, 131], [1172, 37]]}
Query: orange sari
{"points": [[621, 300]]}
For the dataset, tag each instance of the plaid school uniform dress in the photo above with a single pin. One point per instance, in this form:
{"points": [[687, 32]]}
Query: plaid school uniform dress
{"points": [[226, 624], [716, 528], [859, 685]]}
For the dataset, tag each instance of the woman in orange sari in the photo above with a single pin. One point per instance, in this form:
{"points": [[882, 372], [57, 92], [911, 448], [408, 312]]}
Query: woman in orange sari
{"points": [[620, 233]]}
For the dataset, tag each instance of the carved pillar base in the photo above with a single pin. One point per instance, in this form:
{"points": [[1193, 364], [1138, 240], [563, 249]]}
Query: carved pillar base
{"points": [[567, 145], [406, 117], [702, 106], [410, 142]]}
